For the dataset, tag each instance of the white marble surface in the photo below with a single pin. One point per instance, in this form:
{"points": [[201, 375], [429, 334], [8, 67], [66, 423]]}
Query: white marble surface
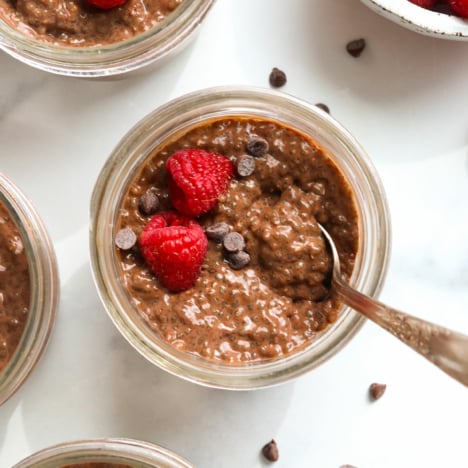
{"points": [[405, 99]]}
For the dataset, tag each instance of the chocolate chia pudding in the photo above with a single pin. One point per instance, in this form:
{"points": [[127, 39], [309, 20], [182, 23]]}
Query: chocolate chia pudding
{"points": [[278, 302], [76, 23], [14, 288]]}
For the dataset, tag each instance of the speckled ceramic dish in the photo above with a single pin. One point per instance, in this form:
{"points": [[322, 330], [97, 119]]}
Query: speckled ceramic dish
{"points": [[420, 20], [105, 453]]}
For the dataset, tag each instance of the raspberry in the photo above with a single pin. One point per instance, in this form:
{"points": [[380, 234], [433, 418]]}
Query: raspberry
{"points": [[459, 7], [106, 4], [174, 247], [196, 179], [424, 3]]}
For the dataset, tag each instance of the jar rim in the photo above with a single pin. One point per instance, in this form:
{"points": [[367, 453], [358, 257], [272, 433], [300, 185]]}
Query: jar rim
{"points": [[119, 450], [184, 112], [110, 59], [44, 288]]}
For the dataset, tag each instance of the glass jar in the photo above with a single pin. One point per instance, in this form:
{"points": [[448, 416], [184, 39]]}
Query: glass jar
{"points": [[166, 38], [44, 287], [130, 452], [185, 113]]}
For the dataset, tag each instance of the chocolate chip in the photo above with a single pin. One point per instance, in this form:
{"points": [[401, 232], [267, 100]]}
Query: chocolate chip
{"points": [[233, 242], [148, 203], [125, 239], [376, 391], [277, 78], [257, 146], [348, 466], [245, 165], [238, 260], [356, 47], [322, 106], [216, 232], [270, 451]]}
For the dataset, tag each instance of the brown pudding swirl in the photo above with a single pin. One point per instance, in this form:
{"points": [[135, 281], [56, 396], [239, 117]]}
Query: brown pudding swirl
{"points": [[74, 23], [14, 288], [278, 303]]}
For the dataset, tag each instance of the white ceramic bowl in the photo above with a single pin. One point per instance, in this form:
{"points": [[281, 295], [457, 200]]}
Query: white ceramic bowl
{"points": [[421, 20]]}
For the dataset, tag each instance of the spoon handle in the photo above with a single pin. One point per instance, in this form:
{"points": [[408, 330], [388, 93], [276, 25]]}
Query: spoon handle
{"points": [[445, 348]]}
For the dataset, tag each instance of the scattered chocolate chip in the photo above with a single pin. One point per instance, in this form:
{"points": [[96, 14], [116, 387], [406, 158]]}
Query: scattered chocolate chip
{"points": [[125, 239], [217, 232], [245, 165], [348, 466], [148, 203], [238, 260], [257, 146], [322, 106], [356, 47], [277, 78], [233, 242], [376, 391], [270, 451]]}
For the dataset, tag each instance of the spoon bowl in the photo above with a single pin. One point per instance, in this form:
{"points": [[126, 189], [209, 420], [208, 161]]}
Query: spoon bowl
{"points": [[446, 349]]}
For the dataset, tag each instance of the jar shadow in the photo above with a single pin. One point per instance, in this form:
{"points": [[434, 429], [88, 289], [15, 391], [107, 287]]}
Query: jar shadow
{"points": [[65, 128], [7, 411], [92, 383]]}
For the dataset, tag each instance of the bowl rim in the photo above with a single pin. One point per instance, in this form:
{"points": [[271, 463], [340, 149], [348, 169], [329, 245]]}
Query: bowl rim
{"points": [[421, 20]]}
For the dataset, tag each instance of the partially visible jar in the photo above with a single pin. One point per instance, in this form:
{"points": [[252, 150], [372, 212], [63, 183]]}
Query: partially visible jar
{"points": [[163, 40], [43, 288], [126, 452], [178, 117]]}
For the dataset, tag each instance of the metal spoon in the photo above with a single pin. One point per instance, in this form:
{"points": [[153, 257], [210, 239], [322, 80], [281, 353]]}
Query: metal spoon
{"points": [[447, 349]]}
